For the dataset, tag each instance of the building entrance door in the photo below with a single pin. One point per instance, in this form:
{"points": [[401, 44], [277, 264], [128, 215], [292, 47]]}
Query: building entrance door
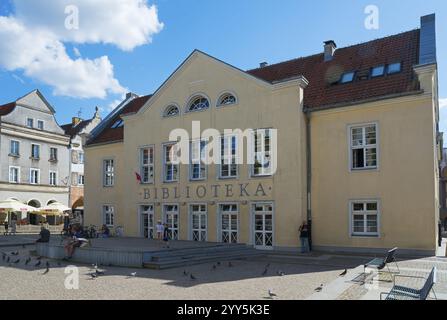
{"points": [[147, 221], [263, 226], [172, 220], [198, 222]]}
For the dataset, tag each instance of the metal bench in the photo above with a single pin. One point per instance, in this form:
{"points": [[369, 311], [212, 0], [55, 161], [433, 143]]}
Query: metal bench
{"points": [[399, 292], [380, 263]]}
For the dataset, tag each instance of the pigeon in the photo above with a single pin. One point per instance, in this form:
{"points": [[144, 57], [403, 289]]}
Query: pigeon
{"points": [[185, 273], [38, 263], [17, 261], [230, 265], [192, 277], [218, 263], [271, 294], [265, 272], [15, 253], [214, 267], [344, 273], [27, 261], [99, 273], [95, 266], [46, 271], [280, 273], [319, 288], [132, 275], [93, 276]]}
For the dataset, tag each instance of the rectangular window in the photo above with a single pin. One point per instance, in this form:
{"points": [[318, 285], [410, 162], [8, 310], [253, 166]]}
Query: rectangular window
{"points": [[40, 125], [147, 165], [364, 147], [171, 167], [197, 168], [53, 178], [14, 174], [228, 157], [81, 180], [109, 215], [394, 68], [262, 152], [53, 154], [30, 123], [34, 176], [35, 151], [109, 173], [365, 218], [14, 149], [81, 158], [347, 77], [377, 71]]}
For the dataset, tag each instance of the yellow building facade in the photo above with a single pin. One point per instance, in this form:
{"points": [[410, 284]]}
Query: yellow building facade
{"points": [[355, 157]]}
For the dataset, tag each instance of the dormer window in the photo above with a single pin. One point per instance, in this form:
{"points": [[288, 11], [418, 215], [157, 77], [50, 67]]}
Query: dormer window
{"points": [[347, 77], [226, 100], [118, 124], [40, 124], [394, 68], [30, 123], [377, 71], [198, 103], [171, 111]]}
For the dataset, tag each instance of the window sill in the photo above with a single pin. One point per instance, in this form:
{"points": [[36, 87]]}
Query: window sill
{"points": [[53, 160], [111, 186], [34, 159], [368, 236], [14, 155], [229, 178], [364, 169]]}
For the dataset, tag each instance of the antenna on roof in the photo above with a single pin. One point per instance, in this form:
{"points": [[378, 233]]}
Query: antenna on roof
{"points": [[80, 112]]}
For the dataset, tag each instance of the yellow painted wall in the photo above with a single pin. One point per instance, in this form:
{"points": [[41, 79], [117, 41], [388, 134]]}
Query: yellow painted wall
{"points": [[404, 183]]}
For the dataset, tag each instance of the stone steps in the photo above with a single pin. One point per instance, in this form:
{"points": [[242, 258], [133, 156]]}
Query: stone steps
{"points": [[194, 256]]}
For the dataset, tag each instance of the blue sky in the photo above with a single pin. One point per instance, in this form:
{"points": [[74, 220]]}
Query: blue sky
{"points": [[240, 32]]}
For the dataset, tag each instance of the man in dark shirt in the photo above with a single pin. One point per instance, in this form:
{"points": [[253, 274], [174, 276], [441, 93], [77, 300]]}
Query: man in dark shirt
{"points": [[44, 235]]}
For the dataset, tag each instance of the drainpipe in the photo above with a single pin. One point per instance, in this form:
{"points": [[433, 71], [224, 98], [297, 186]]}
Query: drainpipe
{"points": [[309, 175]]}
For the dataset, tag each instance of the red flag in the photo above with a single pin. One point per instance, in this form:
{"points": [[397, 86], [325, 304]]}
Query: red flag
{"points": [[138, 177]]}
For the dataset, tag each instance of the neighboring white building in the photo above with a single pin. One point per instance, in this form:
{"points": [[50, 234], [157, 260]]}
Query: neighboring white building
{"points": [[79, 131], [34, 155]]}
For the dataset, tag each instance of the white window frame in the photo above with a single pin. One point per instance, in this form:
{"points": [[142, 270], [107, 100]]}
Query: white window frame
{"points": [[219, 222], [165, 213], [81, 183], [265, 172], [149, 212], [200, 161], [172, 165], [224, 95], [11, 151], [18, 174], [191, 226], [32, 123], [226, 156], [364, 146], [149, 165], [81, 157], [253, 223], [107, 174], [32, 151], [365, 213], [43, 124], [55, 159], [55, 178], [31, 170], [108, 210]]}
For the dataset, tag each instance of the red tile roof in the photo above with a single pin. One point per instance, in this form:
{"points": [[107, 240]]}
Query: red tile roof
{"points": [[72, 131], [109, 134], [7, 108], [323, 76], [403, 47]]}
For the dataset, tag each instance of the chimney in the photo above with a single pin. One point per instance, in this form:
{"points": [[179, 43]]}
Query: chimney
{"points": [[131, 95], [329, 50], [75, 121], [427, 41], [263, 64]]}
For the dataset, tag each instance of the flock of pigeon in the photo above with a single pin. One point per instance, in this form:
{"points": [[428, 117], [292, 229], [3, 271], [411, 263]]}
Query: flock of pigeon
{"points": [[13, 258]]}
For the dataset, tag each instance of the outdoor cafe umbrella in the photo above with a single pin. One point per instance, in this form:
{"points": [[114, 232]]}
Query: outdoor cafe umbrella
{"points": [[11, 205], [54, 209]]}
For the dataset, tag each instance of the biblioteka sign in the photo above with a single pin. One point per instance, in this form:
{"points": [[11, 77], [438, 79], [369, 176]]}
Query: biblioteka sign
{"points": [[241, 190]]}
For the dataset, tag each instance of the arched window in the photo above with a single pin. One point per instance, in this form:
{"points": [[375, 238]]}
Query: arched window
{"points": [[226, 99], [171, 111], [198, 103]]}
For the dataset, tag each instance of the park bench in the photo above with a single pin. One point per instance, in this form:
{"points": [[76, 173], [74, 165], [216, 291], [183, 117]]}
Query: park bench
{"points": [[399, 292], [380, 263]]}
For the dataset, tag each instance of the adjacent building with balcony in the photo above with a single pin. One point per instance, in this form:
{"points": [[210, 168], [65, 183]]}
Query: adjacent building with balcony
{"points": [[34, 155]]}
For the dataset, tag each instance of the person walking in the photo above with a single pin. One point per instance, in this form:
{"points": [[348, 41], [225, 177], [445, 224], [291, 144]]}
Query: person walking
{"points": [[166, 234], [160, 230], [304, 237], [13, 227], [6, 225]]}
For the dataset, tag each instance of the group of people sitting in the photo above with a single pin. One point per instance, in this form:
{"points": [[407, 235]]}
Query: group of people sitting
{"points": [[77, 239]]}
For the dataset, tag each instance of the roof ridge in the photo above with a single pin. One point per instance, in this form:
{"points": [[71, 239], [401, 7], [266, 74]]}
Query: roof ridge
{"points": [[338, 49]]}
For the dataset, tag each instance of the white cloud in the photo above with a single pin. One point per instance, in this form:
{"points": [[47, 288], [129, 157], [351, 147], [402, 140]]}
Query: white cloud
{"points": [[32, 41], [442, 103]]}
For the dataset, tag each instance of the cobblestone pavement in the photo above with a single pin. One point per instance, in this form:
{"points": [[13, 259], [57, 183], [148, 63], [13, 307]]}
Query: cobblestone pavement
{"points": [[244, 280]]}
